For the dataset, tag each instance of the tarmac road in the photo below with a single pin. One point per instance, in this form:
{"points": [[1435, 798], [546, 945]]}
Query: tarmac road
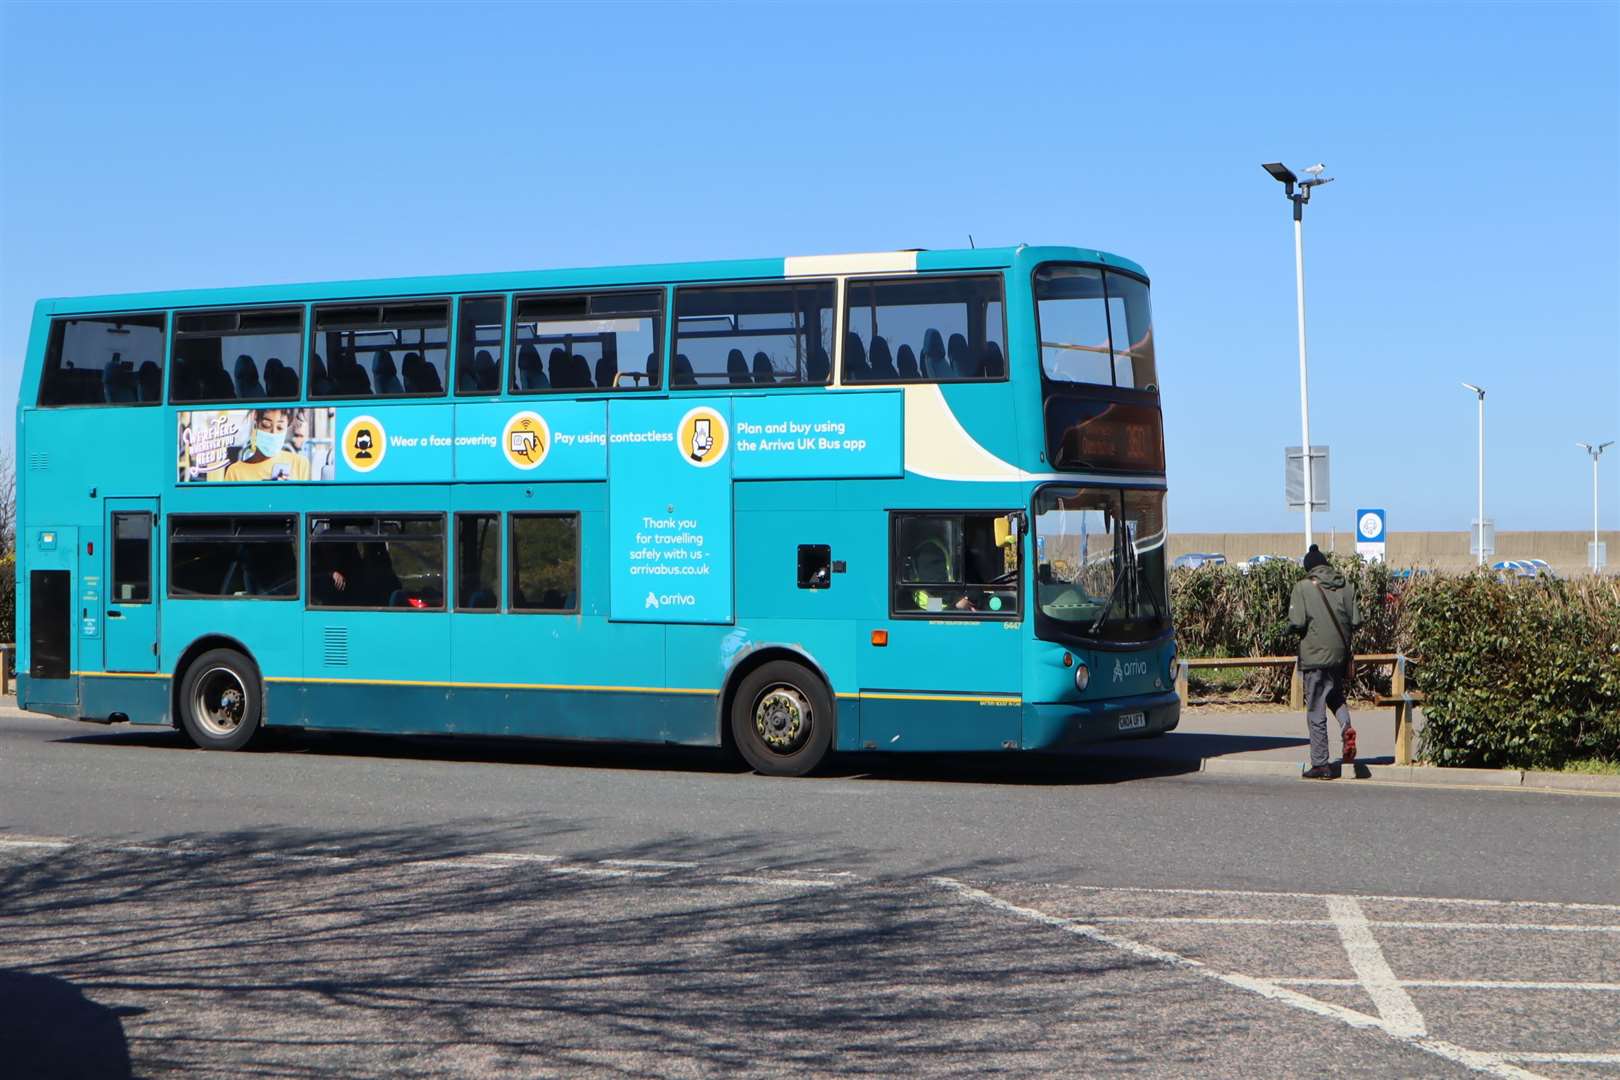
{"points": [[373, 907]]}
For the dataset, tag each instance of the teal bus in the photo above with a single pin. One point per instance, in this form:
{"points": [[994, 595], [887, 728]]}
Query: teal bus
{"points": [[894, 501]]}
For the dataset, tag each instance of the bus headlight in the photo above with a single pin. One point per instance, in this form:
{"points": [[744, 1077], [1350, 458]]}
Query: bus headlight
{"points": [[1170, 677], [1082, 676]]}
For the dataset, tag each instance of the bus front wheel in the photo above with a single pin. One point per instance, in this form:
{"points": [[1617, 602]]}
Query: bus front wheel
{"points": [[221, 700], [782, 719]]}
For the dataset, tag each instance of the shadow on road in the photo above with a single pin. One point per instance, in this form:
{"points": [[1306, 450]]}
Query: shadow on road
{"points": [[50, 1031], [284, 953], [1106, 763]]}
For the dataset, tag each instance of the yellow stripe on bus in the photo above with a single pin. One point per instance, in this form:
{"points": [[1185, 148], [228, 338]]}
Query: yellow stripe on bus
{"points": [[864, 694], [487, 686], [944, 697], [122, 674]]}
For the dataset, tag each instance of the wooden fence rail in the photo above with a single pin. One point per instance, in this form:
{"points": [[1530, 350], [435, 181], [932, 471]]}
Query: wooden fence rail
{"points": [[1402, 699]]}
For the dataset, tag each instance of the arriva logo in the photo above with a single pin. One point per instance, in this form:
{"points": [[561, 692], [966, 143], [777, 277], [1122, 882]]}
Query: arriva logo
{"points": [[669, 600], [1129, 667]]}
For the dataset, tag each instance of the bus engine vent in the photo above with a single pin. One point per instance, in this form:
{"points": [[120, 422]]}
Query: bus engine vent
{"points": [[39, 461], [337, 646]]}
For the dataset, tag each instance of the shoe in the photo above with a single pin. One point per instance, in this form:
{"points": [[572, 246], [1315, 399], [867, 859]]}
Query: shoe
{"points": [[1317, 772], [1349, 745]]}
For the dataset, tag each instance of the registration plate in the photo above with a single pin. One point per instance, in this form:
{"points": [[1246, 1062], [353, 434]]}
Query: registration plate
{"points": [[1132, 721]]}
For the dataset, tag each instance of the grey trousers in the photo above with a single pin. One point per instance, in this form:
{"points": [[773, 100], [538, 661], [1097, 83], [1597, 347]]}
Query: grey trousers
{"points": [[1324, 693]]}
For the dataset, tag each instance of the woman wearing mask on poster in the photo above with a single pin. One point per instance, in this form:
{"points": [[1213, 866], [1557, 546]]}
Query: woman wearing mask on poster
{"points": [[267, 456]]}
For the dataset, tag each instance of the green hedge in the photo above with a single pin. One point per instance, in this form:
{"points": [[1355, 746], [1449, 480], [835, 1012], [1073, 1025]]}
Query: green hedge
{"points": [[1518, 674]]}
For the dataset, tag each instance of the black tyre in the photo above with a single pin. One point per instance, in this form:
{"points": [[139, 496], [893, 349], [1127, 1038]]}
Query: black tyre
{"points": [[782, 719], [221, 700]]}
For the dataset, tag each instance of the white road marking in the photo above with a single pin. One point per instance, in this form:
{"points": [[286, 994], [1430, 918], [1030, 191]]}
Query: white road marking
{"points": [[1382, 924], [1400, 1013], [1467, 984], [757, 879], [651, 864], [1559, 1058], [1556, 904], [1474, 1060]]}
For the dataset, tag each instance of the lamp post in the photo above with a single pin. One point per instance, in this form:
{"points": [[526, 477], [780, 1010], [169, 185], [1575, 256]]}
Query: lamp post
{"points": [[1284, 175], [1596, 452], [1479, 392]]}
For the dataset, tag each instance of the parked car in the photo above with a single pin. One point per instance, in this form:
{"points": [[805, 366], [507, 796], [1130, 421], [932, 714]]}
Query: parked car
{"points": [[1194, 559], [1249, 564]]}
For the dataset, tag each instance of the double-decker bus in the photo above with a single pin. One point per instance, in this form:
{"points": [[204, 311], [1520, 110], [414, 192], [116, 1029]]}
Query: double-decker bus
{"points": [[900, 501]]}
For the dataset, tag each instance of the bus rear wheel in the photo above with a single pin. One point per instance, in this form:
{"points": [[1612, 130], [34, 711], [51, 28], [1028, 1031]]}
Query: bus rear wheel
{"points": [[782, 719], [221, 700]]}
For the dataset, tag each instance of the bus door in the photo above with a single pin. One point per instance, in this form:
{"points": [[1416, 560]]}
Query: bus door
{"points": [[130, 631]]}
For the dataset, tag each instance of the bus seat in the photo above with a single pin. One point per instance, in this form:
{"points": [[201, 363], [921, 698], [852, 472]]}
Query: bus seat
{"points": [[652, 370], [763, 372], [384, 375], [580, 370], [248, 386], [410, 371], [855, 365], [964, 362], [279, 380], [149, 380], [820, 365], [213, 382], [530, 374], [737, 367], [319, 382], [908, 363], [682, 375], [995, 364], [881, 361], [430, 378], [607, 371], [481, 372], [932, 357], [557, 365], [481, 598]]}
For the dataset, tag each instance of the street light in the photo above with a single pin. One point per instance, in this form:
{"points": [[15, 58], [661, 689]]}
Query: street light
{"points": [[1596, 452], [1480, 392], [1285, 176]]}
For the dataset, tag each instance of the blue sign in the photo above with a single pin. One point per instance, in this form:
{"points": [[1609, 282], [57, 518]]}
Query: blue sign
{"points": [[531, 440], [670, 510], [1369, 526], [819, 436]]}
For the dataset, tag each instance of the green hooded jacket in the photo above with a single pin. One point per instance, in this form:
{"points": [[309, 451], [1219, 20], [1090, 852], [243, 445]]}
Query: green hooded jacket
{"points": [[1320, 645]]}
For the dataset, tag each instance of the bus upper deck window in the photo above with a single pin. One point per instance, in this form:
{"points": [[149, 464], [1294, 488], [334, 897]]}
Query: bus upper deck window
{"points": [[251, 355], [380, 350], [104, 360]]}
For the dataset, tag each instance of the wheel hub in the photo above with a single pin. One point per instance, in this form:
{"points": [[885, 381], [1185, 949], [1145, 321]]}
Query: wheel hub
{"points": [[220, 701], [782, 719]]}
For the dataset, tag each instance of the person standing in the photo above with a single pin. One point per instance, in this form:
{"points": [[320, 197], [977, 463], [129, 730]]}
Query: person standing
{"points": [[1323, 609]]}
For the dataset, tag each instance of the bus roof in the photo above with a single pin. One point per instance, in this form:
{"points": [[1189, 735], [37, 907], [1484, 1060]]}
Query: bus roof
{"points": [[597, 277]]}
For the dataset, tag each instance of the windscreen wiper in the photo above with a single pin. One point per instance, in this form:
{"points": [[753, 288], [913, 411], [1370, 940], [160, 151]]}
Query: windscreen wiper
{"points": [[1122, 561]]}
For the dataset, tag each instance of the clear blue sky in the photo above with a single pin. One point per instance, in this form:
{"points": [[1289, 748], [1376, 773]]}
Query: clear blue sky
{"points": [[1472, 233]]}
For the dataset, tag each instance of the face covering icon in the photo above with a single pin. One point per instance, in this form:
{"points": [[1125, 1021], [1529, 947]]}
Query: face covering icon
{"points": [[362, 443], [268, 443], [702, 439]]}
